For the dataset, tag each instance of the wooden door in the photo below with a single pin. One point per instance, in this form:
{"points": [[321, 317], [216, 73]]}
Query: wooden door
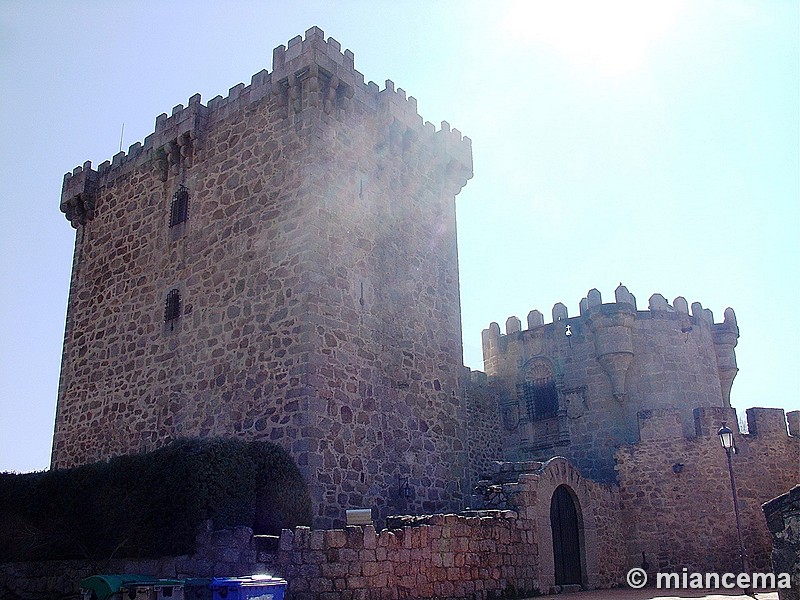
{"points": [[566, 540]]}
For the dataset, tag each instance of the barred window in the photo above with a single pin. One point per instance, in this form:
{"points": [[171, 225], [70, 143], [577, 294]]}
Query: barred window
{"points": [[172, 307], [179, 210], [540, 398], [537, 391]]}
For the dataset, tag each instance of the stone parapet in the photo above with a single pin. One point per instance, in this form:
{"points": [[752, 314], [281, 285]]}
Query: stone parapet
{"points": [[452, 556]]}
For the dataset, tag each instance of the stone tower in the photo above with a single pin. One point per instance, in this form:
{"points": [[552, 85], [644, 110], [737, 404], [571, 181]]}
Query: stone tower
{"points": [[279, 264], [579, 387]]}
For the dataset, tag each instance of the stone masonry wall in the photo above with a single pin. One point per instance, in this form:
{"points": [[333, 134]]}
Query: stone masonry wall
{"points": [[318, 279], [383, 374], [450, 557], [676, 490], [615, 362], [528, 489], [484, 430]]}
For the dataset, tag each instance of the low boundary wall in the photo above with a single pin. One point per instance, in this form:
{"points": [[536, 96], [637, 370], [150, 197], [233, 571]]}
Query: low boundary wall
{"points": [[449, 556]]}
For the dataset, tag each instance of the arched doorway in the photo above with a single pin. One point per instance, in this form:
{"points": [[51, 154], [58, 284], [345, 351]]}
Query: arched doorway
{"points": [[565, 525]]}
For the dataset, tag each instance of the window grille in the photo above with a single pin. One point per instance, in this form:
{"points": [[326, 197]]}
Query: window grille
{"points": [[172, 307], [541, 398], [179, 210]]}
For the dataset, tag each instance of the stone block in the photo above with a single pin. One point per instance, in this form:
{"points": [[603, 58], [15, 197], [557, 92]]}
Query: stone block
{"points": [[793, 419]]}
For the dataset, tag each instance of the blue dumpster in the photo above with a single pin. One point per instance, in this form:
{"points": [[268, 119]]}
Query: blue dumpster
{"points": [[257, 587]]}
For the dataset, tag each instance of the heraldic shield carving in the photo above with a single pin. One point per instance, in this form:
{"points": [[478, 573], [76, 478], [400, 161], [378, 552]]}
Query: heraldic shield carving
{"points": [[510, 414]]}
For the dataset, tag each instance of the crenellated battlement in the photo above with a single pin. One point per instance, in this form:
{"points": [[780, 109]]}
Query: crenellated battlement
{"points": [[625, 302], [762, 423], [78, 194], [309, 72]]}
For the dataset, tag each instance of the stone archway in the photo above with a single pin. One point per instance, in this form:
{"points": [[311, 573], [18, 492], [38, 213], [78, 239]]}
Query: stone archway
{"points": [[584, 495], [529, 489], [566, 526]]}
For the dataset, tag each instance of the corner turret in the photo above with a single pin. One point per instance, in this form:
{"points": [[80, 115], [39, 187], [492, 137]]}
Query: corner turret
{"points": [[726, 336], [78, 194], [613, 339]]}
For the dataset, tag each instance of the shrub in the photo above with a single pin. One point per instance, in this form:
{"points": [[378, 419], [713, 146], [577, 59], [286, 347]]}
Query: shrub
{"points": [[150, 505]]}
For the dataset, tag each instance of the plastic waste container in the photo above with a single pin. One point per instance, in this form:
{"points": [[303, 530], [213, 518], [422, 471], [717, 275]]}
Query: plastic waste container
{"points": [[257, 587], [153, 589], [107, 587]]}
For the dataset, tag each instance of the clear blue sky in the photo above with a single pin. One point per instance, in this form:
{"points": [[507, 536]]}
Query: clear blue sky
{"points": [[649, 143]]}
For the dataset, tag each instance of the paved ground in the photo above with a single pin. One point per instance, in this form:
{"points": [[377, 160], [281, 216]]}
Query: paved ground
{"points": [[653, 594]]}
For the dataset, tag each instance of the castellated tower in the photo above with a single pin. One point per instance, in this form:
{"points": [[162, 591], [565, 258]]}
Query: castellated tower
{"points": [[281, 265], [579, 387]]}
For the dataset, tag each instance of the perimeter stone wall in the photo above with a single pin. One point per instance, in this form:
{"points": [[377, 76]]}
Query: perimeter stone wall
{"points": [[450, 556], [677, 492], [484, 431]]}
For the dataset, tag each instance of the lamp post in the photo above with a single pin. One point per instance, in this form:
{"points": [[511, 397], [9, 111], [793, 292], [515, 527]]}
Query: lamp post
{"points": [[726, 439]]}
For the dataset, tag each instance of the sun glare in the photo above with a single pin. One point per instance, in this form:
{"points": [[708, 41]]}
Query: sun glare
{"points": [[612, 37]]}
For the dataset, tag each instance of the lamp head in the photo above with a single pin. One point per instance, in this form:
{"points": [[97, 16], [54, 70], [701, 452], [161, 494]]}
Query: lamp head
{"points": [[725, 437]]}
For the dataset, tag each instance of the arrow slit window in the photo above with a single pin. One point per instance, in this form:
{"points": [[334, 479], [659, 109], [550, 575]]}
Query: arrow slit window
{"points": [[179, 209], [172, 307]]}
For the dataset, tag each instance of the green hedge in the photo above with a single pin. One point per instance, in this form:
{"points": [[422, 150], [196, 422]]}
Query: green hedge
{"points": [[150, 505]]}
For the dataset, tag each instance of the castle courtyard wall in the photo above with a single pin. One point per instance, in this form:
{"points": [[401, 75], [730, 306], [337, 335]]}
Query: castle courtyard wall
{"points": [[677, 495], [484, 429], [528, 488]]}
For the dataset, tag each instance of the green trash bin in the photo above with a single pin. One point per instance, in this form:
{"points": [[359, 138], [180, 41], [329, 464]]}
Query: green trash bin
{"points": [[107, 587]]}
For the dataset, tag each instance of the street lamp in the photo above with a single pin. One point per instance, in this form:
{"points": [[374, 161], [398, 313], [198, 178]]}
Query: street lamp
{"points": [[726, 439]]}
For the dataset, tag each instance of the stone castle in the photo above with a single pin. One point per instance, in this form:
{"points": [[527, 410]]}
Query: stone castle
{"points": [[281, 264]]}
